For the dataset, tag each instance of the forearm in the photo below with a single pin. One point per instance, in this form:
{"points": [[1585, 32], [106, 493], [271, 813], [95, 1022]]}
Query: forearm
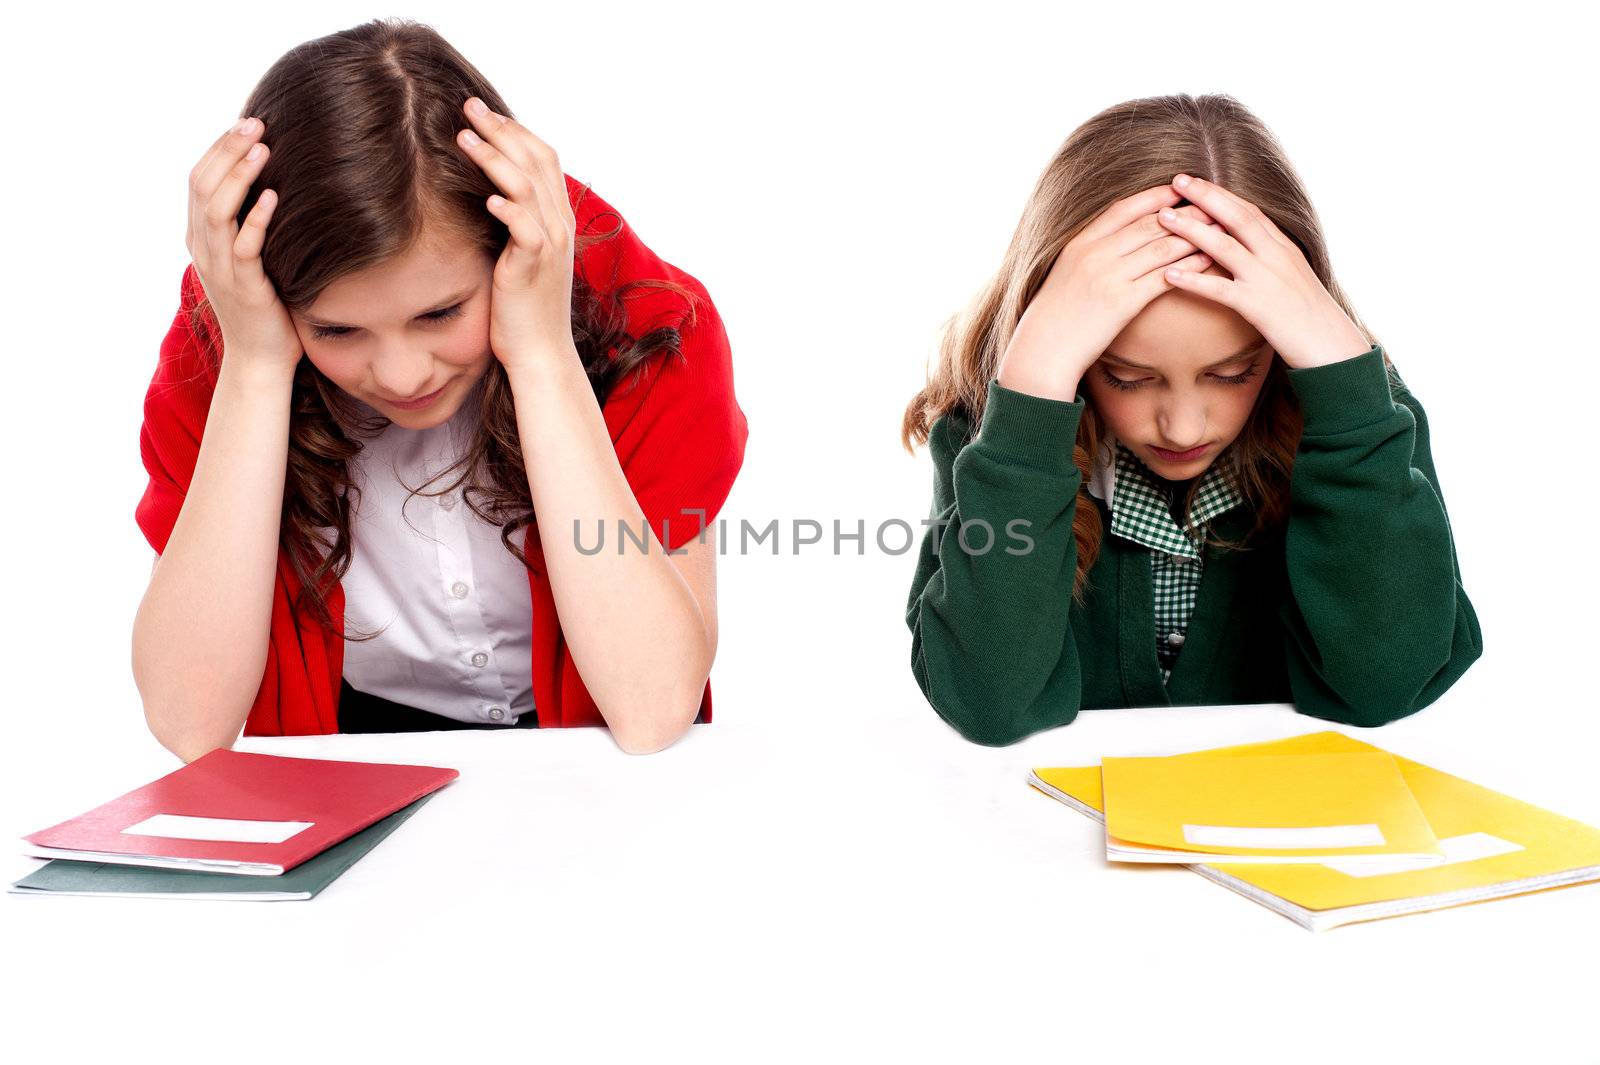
{"points": [[1038, 361], [1378, 625], [992, 645], [632, 623], [200, 634]]}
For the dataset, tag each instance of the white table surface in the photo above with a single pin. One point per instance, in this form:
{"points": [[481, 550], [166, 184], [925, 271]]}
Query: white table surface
{"points": [[756, 894]]}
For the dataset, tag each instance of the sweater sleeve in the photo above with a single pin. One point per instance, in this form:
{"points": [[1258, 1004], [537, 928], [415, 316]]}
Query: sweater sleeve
{"points": [[679, 433], [1377, 624], [992, 646], [175, 408], [676, 426]]}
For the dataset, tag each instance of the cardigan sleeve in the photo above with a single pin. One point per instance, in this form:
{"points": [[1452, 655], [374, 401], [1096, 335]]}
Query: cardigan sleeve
{"points": [[1377, 624], [676, 426], [175, 409], [992, 645]]}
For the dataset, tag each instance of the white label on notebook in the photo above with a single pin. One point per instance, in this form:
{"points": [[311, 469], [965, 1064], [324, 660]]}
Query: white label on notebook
{"points": [[1285, 838], [217, 829], [1457, 849]]}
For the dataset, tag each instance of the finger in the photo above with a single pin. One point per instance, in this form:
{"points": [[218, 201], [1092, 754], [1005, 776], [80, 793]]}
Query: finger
{"points": [[548, 169], [516, 184], [227, 150], [1241, 216], [1143, 230], [528, 236], [1213, 287], [201, 183], [1128, 210], [1214, 240], [253, 234], [222, 210], [522, 146], [1223, 191], [213, 205], [1154, 283], [223, 207], [1158, 253]]}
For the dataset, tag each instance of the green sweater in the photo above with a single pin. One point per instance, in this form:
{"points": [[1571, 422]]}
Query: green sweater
{"points": [[1354, 612]]}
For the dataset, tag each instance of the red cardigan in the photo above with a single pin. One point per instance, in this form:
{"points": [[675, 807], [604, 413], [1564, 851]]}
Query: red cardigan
{"points": [[678, 432]]}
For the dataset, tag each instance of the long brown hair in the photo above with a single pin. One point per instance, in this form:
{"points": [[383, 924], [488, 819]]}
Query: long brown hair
{"points": [[363, 125], [1123, 150]]}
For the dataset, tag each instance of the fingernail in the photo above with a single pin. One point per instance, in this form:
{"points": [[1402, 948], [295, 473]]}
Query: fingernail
{"points": [[245, 125], [254, 152], [468, 137], [1168, 214], [1181, 181], [477, 107]]}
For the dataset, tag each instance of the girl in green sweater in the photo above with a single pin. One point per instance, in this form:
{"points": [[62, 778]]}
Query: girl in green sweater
{"points": [[1172, 467]]}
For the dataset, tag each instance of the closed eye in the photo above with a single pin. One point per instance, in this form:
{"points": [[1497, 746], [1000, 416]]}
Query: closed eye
{"points": [[333, 332], [1236, 378], [1125, 385], [1119, 383]]}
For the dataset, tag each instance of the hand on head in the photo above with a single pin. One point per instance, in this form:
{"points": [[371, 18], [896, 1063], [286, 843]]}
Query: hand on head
{"points": [[256, 327]]}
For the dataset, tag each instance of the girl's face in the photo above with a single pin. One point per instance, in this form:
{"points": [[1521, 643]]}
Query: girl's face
{"points": [[1178, 384], [408, 337]]}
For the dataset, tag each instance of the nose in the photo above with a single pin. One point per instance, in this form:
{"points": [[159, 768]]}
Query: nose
{"points": [[402, 372], [1182, 423]]}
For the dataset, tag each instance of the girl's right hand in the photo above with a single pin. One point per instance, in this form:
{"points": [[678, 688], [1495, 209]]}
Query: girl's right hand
{"points": [[255, 325], [1099, 283]]}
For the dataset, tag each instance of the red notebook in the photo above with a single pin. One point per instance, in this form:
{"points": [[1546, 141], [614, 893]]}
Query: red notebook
{"points": [[232, 812]]}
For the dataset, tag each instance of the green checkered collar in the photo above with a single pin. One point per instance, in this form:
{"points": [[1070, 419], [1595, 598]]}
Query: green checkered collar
{"points": [[1138, 503]]}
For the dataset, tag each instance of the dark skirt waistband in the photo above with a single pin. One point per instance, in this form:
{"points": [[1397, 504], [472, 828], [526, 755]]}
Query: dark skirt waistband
{"points": [[363, 712]]}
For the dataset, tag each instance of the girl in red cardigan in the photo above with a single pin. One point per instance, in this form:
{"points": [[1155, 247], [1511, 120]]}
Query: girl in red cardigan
{"points": [[394, 283]]}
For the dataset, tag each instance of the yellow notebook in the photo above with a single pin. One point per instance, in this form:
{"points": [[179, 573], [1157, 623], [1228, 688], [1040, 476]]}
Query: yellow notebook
{"points": [[1494, 846], [1354, 807]]}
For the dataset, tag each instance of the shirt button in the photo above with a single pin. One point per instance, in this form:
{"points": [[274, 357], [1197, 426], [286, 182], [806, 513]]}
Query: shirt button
{"points": [[459, 589], [497, 713], [1174, 639], [480, 659]]}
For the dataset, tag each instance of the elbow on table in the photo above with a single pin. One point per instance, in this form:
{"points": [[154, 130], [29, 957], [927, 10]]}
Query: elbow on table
{"points": [[1362, 713], [649, 729], [635, 739], [1382, 697], [166, 721], [182, 719], [1366, 691], [187, 743], [990, 718], [988, 731]]}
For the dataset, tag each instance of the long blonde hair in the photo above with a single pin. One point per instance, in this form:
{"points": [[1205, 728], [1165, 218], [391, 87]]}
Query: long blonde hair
{"points": [[1124, 150]]}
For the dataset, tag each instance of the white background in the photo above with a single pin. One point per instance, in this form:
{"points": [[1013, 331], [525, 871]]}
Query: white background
{"points": [[842, 177]]}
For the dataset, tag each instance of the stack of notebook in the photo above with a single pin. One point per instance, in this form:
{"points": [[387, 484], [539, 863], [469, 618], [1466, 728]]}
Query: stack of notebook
{"points": [[1327, 830], [232, 825]]}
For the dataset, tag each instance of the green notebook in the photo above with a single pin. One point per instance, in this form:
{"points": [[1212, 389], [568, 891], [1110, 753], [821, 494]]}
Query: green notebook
{"points": [[63, 877]]}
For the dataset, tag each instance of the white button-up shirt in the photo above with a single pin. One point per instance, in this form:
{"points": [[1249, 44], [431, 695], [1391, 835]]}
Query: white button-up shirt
{"points": [[451, 605]]}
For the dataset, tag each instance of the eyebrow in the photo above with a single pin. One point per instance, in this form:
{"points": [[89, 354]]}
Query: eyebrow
{"points": [[448, 301], [1112, 356]]}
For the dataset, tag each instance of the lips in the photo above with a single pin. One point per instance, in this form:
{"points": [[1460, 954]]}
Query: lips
{"points": [[1180, 456], [419, 402]]}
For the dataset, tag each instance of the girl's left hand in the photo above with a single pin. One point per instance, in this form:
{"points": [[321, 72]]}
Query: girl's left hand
{"points": [[1273, 287], [530, 310]]}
